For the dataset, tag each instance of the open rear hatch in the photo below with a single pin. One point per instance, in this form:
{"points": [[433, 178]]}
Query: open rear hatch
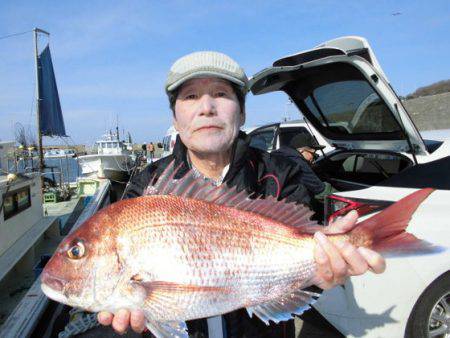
{"points": [[341, 89]]}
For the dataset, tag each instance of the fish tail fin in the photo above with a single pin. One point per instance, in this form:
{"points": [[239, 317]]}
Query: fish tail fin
{"points": [[386, 233]]}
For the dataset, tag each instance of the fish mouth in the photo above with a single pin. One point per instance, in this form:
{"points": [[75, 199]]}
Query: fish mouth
{"points": [[53, 294], [55, 283]]}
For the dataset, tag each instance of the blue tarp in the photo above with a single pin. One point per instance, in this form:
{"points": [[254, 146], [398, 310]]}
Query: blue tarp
{"points": [[51, 122]]}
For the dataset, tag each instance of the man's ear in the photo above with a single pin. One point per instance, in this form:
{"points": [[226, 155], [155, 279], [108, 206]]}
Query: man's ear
{"points": [[175, 123], [242, 118]]}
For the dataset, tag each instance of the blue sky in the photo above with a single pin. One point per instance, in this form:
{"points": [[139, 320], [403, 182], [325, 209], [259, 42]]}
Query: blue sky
{"points": [[111, 57]]}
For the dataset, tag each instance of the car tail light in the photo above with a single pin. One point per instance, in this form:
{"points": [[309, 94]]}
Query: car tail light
{"points": [[337, 206]]}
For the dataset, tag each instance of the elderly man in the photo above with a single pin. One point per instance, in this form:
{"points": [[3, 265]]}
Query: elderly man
{"points": [[207, 92]]}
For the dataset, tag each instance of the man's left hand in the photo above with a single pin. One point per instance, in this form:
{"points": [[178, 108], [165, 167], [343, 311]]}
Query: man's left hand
{"points": [[338, 261]]}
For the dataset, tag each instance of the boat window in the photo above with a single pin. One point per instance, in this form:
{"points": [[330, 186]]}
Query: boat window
{"points": [[15, 202]]}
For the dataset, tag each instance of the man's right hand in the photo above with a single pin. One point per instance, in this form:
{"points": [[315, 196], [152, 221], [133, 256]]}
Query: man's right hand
{"points": [[123, 319]]}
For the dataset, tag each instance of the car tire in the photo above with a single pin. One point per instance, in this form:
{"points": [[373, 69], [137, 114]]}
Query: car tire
{"points": [[431, 302]]}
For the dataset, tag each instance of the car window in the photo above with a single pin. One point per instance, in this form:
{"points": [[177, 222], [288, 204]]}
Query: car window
{"points": [[287, 133], [373, 163], [341, 99], [351, 107], [263, 138]]}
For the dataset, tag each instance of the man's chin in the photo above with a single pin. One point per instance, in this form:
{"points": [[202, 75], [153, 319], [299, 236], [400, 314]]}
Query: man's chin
{"points": [[211, 145]]}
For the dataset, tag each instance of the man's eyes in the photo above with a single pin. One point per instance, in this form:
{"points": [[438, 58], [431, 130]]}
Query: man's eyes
{"points": [[194, 96], [222, 93], [190, 96]]}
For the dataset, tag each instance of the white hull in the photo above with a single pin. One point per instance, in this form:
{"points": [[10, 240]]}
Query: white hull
{"points": [[109, 166]]}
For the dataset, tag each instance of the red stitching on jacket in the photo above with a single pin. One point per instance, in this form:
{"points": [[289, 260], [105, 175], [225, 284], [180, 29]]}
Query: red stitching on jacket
{"points": [[276, 181]]}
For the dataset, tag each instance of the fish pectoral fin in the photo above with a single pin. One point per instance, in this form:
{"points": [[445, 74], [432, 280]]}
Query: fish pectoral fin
{"points": [[175, 329], [283, 308]]}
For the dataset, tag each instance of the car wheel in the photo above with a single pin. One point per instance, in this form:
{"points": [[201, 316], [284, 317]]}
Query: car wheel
{"points": [[431, 314]]}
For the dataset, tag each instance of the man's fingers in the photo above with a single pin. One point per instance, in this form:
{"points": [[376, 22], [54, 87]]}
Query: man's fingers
{"points": [[375, 261], [343, 224], [323, 263], [137, 321], [105, 318], [337, 264], [121, 321], [357, 264]]}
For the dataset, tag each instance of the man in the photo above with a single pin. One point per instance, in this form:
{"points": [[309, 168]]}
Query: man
{"points": [[307, 146], [302, 151], [207, 92], [151, 150]]}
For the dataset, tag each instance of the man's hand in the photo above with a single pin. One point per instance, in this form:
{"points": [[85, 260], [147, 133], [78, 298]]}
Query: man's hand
{"points": [[123, 319], [336, 262]]}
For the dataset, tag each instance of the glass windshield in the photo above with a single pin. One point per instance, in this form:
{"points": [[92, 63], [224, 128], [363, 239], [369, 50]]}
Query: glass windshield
{"points": [[263, 138], [342, 100], [286, 134]]}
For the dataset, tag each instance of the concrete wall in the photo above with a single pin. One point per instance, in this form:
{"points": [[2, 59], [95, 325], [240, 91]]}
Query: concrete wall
{"points": [[430, 112]]}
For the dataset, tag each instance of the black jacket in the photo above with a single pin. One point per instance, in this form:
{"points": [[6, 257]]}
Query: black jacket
{"points": [[251, 169], [257, 172], [309, 178]]}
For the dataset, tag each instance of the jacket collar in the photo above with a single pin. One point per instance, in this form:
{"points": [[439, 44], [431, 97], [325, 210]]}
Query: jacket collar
{"points": [[239, 154]]}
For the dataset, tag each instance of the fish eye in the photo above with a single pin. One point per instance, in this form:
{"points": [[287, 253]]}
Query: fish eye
{"points": [[76, 251]]}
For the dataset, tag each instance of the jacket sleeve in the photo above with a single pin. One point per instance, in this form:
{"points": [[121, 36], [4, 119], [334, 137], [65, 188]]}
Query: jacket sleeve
{"points": [[294, 189]]}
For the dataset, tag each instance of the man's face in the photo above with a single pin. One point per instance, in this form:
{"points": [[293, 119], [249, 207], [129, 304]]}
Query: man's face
{"points": [[307, 153], [208, 115]]}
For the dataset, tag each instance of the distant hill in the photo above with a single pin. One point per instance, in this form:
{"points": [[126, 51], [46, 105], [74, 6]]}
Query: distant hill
{"points": [[430, 112], [433, 89]]}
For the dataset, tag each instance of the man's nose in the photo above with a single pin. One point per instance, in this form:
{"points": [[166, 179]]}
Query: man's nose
{"points": [[207, 105]]}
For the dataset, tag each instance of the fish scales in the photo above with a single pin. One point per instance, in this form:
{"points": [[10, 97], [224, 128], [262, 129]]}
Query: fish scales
{"points": [[230, 251]]}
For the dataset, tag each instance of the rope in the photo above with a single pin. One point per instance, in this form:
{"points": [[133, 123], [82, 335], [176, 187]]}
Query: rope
{"points": [[15, 34], [81, 322]]}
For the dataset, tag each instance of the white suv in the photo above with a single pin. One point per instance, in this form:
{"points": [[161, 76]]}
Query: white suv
{"points": [[272, 136], [379, 157]]}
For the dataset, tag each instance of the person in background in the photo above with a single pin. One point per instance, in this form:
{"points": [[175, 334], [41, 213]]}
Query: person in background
{"points": [[307, 146], [206, 92], [151, 150]]}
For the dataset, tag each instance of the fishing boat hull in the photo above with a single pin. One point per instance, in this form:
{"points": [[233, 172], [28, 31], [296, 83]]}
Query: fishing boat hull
{"points": [[114, 167]]}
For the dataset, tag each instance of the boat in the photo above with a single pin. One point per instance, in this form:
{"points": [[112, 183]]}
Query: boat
{"points": [[114, 159], [59, 153]]}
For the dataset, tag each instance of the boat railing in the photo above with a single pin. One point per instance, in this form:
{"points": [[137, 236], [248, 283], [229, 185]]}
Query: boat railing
{"points": [[25, 317]]}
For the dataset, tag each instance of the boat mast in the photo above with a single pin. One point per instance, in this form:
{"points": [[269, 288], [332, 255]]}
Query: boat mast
{"points": [[36, 55]]}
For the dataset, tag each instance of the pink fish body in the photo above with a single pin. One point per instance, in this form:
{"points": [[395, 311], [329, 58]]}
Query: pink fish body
{"points": [[202, 251]]}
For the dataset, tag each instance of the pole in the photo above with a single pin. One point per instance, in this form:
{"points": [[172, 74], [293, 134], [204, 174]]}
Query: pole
{"points": [[36, 55]]}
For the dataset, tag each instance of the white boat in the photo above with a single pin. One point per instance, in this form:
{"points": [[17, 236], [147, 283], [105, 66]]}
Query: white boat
{"points": [[114, 159], [59, 153]]}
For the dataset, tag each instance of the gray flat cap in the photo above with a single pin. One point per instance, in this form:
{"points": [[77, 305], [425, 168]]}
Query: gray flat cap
{"points": [[205, 64]]}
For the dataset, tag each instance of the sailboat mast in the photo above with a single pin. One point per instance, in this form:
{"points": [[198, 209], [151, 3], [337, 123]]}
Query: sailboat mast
{"points": [[39, 133]]}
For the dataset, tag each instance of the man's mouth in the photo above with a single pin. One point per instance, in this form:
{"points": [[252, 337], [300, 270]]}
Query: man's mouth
{"points": [[208, 128]]}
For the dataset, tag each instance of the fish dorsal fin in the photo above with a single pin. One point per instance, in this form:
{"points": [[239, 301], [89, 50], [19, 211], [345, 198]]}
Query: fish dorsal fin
{"points": [[283, 308], [192, 186]]}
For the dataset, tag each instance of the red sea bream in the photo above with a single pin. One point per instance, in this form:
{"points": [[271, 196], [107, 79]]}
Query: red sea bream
{"points": [[193, 250]]}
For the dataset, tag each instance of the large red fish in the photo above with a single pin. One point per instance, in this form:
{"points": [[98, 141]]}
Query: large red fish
{"points": [[199, 251]]}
